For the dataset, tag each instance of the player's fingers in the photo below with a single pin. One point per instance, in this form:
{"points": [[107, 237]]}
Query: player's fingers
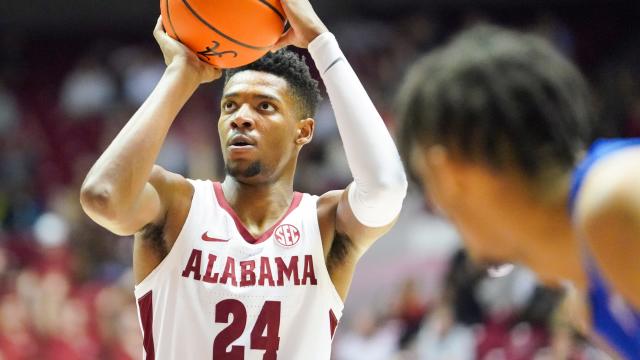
{"points": [[159, 29], [295, 9], [159, 32], [284, 40], [217, 73], [290, 4], [211, 73]]}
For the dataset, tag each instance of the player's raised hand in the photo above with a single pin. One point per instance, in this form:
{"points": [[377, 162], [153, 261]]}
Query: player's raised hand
{"points": [[176, 54], [305, 24]]}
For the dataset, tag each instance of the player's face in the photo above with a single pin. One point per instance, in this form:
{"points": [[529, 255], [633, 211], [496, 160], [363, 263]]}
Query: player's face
{"points": [[258, 128], [470, 196]]}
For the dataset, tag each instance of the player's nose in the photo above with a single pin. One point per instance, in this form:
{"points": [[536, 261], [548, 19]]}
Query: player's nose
{"points": [[243, 118]]}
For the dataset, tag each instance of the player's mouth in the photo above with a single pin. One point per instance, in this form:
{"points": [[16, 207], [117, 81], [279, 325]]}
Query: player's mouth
{"points": [[240, 142]]}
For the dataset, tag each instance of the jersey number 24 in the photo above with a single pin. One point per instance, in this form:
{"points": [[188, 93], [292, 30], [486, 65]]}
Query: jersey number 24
{"points": [[264, 335]]}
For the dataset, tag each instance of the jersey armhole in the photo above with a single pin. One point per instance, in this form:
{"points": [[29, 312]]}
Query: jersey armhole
{"points": [[148, 282]]}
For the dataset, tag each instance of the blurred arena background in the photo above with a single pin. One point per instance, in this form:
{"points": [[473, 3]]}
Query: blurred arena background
{"points": [[71, 74]]}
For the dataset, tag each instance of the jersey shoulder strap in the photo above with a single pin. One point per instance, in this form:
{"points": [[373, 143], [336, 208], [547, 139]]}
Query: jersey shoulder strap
{"points": [[599, 150]]}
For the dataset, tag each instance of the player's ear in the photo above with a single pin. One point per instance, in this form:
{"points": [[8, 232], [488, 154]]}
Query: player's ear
{"points": [[305, 131], [445, 180]]}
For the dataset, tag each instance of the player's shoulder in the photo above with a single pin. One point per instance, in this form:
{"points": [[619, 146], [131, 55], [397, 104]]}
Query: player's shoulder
{"points": [[327, 205], [610, 190], [330, 199]]}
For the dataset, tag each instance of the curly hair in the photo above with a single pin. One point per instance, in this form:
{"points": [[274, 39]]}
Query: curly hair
{"points": [[502, 98], [292, 68]]}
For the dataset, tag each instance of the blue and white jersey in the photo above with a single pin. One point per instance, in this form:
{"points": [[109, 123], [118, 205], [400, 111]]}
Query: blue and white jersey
{"points": [[613, 320]]}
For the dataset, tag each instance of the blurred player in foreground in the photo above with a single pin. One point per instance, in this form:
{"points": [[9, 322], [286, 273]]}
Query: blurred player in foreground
{"points": [[248, 268], [496, 126]]}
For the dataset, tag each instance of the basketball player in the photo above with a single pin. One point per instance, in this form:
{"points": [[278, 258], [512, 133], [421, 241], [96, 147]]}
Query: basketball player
{"points": [[495, 126], [248, 268]]}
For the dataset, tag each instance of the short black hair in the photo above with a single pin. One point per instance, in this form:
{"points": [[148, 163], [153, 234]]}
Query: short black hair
{"points": [[499, 97], [293, 68]]}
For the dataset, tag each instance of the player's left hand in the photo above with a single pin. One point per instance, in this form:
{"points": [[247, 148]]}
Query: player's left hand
{"points": [[177, 55], [305, 24]]}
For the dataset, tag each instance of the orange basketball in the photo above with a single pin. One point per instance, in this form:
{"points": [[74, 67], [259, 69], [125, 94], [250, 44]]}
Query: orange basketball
{"points": [[224, 33]]}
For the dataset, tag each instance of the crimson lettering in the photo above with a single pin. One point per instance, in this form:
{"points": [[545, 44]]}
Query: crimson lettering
{"points": [[308, 272], [247, 276], [247, 272], [207, 275], [265, 272], [291, 270], [193, 265], [229, 272]]}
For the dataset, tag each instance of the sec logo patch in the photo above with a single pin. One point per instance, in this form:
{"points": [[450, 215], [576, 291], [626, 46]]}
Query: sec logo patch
{"points": [[287, 235]]}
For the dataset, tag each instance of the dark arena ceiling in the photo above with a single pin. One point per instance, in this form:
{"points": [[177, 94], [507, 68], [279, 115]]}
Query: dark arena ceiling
{"points": [[60, 15]]}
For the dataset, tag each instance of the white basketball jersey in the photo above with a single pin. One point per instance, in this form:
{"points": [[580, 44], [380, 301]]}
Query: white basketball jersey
{"points": [[222, 294]]}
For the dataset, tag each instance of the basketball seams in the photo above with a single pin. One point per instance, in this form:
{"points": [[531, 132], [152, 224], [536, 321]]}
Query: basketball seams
{"points": [[227, 37], [270, 6], [170, 22]]}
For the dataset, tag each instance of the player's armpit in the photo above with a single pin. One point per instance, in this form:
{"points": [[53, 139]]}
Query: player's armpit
{"points": [[344, 238], [337, 221], [608, 218]]}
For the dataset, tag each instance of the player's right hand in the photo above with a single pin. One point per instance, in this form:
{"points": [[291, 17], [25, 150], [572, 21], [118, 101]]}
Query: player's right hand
{"points": [[177, 55], [305, 24]]}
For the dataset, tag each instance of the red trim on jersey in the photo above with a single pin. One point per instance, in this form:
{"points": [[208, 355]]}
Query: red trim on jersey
{"points": [[333, 323], [145, 306], [222, 201]]}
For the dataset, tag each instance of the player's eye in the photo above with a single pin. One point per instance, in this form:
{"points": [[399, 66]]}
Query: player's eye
{"points": [[265, 106], [228, 105]]}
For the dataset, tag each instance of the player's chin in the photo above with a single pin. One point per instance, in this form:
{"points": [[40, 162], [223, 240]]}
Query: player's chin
{"points": [[241, 153], [243, 169]]}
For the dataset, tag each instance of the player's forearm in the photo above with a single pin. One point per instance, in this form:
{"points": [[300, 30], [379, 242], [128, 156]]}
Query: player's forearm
{"points": [[379, 179], [118, 177]]}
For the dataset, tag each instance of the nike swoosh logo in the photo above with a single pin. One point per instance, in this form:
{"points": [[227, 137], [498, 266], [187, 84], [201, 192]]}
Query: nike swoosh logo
{"points": [[206, 237]]}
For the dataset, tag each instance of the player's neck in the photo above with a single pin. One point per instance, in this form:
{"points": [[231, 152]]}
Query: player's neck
{"points": [[544, 224], [258, 205], [554, 252]]}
